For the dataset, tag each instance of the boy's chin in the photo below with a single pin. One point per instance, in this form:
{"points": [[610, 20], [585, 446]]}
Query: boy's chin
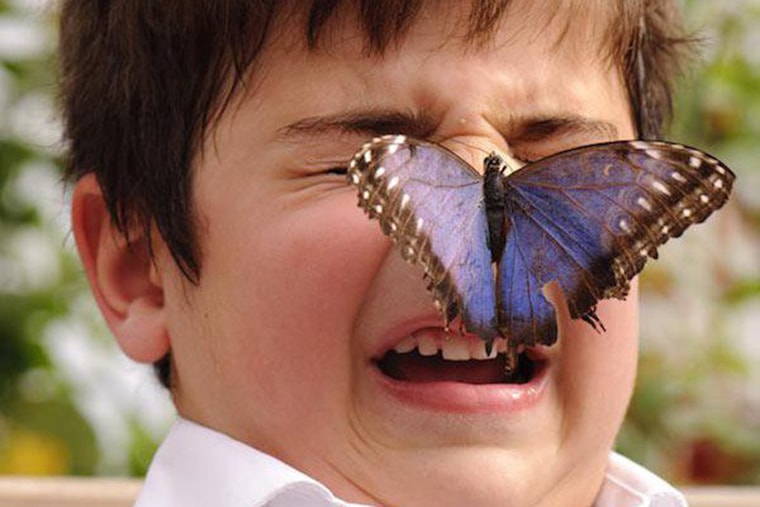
{"points": [[493, 476]]}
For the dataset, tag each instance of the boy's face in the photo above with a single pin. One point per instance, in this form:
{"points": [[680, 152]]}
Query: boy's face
{"points": [[300, 294]]}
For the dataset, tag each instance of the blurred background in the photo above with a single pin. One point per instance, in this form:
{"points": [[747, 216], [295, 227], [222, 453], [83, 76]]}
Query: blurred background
{"points": [[71, 404]]}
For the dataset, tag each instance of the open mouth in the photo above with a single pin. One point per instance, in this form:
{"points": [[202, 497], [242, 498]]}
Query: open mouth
{"points": [[430, 355]]}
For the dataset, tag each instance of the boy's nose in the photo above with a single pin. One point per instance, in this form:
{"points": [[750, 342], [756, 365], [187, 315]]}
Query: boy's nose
{"points": [[472, 132]]}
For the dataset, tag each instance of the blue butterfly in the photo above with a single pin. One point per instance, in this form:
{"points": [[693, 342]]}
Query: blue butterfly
{"points": [[586, 219]]}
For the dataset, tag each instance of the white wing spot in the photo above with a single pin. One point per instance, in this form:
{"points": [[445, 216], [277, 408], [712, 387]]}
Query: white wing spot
{"points": [[704, 198], [367, 156], [686, 212], [678, 176], [665, 229], [405, 200], [420, 223], [718, 183], [365, 195], [399, 140], [393, 182], [355, 177], [695, 162], [639, 145], [644, 203], [623, 224], [720, 170], [655, 154], [660, 187], [393, 148], [379, 208]]}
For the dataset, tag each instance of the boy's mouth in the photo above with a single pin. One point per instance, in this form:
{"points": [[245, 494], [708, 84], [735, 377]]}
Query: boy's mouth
{"points": [[430, 355]]}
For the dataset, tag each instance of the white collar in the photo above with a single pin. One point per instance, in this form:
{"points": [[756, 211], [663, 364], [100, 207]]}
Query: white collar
{"points": [[197, 466], [630, 484]]}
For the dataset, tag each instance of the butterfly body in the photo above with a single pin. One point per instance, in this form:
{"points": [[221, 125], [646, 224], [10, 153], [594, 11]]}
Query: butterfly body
{"points": [[495, 205], [586, 219]]}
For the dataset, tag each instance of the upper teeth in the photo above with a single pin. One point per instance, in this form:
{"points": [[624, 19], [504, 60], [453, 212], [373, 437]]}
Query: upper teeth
{"points": [[452, 347]]}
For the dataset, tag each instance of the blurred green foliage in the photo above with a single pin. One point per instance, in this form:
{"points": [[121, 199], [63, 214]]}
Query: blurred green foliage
{"points": [[41, 429], [695, 416]]}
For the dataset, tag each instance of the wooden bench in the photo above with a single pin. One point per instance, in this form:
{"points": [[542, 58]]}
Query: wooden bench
{"points": [[67, 492], [88, 492]]}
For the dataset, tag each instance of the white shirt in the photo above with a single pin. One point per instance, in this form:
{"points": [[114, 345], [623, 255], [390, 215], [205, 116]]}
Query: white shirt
{"points": [[199, 467]]}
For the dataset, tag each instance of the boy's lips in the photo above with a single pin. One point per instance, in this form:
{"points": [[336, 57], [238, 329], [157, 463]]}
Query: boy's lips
{"points": [[423, 365]]}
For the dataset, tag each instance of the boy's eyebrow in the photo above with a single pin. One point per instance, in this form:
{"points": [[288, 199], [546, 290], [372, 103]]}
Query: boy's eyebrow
{"points": [[364, 121], [543, 127], [421, 125]]}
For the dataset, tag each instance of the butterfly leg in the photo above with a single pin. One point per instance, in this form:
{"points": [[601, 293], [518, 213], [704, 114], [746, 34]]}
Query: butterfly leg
{"points": [[512, 353], [593, 320]]}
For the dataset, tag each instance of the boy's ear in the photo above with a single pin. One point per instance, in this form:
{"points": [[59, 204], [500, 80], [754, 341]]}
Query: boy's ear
{"points": [[123, 277]]}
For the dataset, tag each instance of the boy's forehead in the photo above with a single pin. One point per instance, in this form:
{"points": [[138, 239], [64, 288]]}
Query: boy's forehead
{"points": [[407, 83], [574, 25], [349, 41]]}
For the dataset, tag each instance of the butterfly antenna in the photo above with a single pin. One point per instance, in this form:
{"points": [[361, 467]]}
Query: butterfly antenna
{"points": [[443, 141], [509, 163]]}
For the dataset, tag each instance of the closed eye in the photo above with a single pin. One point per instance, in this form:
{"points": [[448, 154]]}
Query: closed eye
{"points": [[338, 171]]}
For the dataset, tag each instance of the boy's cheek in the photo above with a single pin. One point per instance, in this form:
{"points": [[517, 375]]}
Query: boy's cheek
{"points": [[320, 264], [279, 303], [290, 276], [596, 371]]}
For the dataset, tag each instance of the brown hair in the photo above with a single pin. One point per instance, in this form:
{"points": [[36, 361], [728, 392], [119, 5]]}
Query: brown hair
{"points": [[142, 81]]}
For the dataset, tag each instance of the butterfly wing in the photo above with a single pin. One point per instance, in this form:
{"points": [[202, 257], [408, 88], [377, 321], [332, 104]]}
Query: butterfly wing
{"points": [[589, 218], [429, 201]]}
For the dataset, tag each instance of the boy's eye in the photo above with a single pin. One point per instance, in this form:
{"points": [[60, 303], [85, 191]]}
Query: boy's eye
{"points": [[338, 170]]}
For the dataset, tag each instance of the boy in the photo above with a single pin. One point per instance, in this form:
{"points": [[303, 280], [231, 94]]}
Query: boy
{"points": [[208, 142]]}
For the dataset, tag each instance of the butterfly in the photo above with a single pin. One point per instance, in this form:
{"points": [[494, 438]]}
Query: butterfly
{"points": [[586, 219]]}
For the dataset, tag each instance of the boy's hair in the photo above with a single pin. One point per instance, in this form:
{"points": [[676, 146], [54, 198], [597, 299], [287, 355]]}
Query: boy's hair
{"points": [[142, 81]]}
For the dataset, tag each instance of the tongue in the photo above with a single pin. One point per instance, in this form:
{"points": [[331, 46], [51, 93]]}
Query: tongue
{"points": [[413, 367]]}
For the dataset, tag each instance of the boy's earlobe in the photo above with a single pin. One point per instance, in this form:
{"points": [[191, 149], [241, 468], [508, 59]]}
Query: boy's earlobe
{"points": [[122, 275]]}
